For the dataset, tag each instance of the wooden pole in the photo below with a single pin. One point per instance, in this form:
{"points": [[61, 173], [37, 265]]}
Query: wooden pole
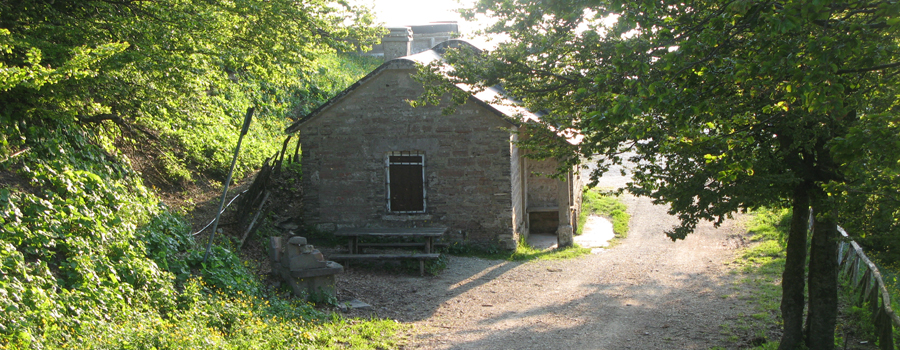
{"points": [[237, 151]]}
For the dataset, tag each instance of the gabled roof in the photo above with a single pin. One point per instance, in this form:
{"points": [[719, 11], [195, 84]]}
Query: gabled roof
{"points": [[493, 98]]}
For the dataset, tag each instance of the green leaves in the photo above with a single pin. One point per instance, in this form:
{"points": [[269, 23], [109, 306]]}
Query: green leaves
{"points": [[90, 88], [168, 71], [725, 107], [33, 74], [725, 96]]}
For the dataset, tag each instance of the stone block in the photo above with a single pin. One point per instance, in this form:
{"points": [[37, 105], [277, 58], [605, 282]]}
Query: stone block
{"points": [[303, 267], [297, 240], [354, 304], [565, 236], [275, 250], [305, 287], [507, 242]]}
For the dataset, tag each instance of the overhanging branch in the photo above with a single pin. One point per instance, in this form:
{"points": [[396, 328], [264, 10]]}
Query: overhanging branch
{"points": [[869, 69], [115, 118]]}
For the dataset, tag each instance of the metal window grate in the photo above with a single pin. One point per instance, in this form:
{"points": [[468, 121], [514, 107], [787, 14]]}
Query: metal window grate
{"points": [[405, 182]]}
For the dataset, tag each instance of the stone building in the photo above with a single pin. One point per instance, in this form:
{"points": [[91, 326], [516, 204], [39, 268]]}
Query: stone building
{"points": [[415, 38], [369, 159]]}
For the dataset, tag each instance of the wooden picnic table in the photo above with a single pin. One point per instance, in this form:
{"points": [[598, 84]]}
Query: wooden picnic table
{"points": [[427, 234]]}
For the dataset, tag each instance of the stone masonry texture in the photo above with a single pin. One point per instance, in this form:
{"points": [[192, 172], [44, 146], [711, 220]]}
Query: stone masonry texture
{"points": [[468, 161]]}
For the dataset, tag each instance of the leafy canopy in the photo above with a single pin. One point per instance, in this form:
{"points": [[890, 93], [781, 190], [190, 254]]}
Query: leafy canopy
{"points": [[167, 71], [90, 90], [726, 105], [723, 106]]}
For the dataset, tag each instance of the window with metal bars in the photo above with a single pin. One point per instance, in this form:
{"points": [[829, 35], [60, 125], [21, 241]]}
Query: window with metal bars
{"points": [[405, 175]]}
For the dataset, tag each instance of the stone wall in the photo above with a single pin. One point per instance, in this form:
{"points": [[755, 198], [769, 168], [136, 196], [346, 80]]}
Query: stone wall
{"points": [[412, 39], [577, 194], [517, 173], [467, 161], [425, 41], [542, 189]]}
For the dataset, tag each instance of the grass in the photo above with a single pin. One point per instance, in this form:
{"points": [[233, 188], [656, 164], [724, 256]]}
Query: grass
{"points": [[889, 273], [760, 267], [758, 282], [95, 251], [525, 252], [596, 203]]}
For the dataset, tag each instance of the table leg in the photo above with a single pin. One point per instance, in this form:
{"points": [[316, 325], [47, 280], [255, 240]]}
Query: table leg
{"points": [[353, 245]]}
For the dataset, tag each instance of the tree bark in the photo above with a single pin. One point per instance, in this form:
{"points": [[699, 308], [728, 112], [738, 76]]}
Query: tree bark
{"points": [[793, 279], [823, 283]]}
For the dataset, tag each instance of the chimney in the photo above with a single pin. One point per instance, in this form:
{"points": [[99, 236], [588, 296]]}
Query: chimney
{"points": [[397, 43]]}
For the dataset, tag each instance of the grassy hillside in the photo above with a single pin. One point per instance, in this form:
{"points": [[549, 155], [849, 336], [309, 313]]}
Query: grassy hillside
{"points": [[95, 251]]}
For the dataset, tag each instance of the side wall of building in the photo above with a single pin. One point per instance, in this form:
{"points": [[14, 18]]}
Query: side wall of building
{"points": [[577, 195], [519, 185], [467, 165]]}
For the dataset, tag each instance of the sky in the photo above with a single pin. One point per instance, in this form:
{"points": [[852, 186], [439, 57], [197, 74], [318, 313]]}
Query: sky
{"points": [[406, 12]]}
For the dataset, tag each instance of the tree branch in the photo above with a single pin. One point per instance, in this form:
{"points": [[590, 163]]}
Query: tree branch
{"points": [[869, 69], [115, 118], [101, 117]]}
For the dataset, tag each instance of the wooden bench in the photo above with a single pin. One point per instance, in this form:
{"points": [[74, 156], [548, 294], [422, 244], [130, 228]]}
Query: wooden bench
{"points": [[428, 234], [400, 245], [413, 256]]}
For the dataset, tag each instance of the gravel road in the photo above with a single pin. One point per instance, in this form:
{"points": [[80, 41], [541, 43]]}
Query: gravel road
{"points": [[647, 292]]}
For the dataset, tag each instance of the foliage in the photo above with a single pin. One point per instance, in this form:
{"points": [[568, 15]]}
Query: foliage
{"points": [[332, 74], [209, 318], [727, 106], [859, 315], [89, 257], [762, 262], [595, 203], [889, 273], [174, 76], [69, 248], [872, 153]]}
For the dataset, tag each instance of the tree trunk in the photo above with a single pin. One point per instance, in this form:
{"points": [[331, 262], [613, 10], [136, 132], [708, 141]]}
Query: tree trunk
{"points": [[823, 284], [793, 281]]}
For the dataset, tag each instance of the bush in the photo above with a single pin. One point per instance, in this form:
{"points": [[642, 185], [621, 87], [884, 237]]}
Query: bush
{"points": [[89, 258]]}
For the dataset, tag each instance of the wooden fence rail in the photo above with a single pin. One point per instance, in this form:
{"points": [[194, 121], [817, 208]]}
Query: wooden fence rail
{"points": [[864, 277]]}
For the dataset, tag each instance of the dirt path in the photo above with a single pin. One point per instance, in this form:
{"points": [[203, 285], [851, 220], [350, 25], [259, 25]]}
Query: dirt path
{"points": [[645, 293]]}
